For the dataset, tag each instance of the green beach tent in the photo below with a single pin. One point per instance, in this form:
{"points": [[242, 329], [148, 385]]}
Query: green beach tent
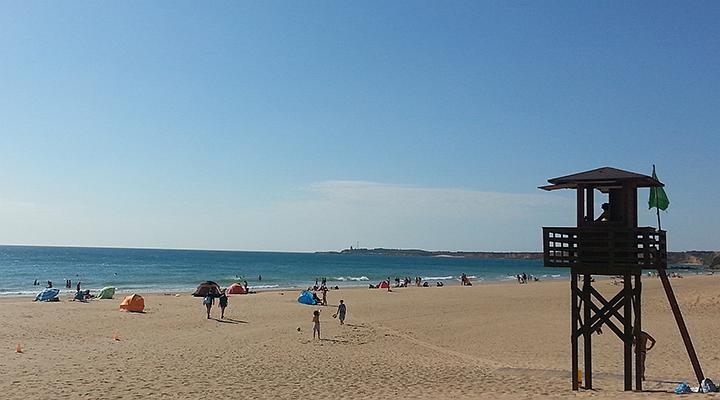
{"points": [[106, 293]]}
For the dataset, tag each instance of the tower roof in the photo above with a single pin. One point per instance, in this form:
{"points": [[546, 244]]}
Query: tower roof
{"points": [[604, 179]]}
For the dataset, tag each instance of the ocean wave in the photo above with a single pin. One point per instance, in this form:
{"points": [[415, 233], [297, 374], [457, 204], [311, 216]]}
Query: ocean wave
{"points": [[437, 278], [264, 287], [232, 279], [11, 292], [351, 278]]}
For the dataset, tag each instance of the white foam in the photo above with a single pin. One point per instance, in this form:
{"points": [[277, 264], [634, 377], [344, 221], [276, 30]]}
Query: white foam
{"points": [[437, 278], [351, 278], [12, 293], [264, 287]]}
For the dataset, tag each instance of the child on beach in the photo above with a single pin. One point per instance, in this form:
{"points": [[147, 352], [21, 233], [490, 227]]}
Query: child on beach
{"points": [[223, 302], [316, 323], [341, 311], [208, 301]]}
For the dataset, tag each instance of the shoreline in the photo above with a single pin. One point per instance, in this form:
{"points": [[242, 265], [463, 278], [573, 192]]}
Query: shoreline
{"points": [[483, 283], [173, 292], [263, 288], [453, 281]]}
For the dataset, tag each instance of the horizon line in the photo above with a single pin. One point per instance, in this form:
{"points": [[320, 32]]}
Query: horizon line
{"points": [[288, 251]]}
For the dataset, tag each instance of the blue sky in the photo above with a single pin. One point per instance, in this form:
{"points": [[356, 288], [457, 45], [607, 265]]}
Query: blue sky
{"points": [[304, 126]]}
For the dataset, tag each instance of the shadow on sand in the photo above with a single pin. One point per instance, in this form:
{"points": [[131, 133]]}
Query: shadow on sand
{"points": [[334, 340], [230, 321]]}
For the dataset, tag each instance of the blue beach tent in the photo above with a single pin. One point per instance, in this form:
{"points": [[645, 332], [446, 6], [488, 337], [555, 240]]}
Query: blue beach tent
{"points": [[306, 298], [47, 294]]}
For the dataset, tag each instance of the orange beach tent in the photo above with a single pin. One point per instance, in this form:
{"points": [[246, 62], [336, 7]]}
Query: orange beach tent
{"points": [[134, 303], [236, 288]]}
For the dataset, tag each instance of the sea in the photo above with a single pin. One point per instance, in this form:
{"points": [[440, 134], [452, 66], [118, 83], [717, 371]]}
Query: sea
{"points": [[173, 271]]}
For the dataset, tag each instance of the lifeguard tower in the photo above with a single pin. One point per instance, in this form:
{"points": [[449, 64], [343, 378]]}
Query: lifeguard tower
{"points": [[614, 245]]}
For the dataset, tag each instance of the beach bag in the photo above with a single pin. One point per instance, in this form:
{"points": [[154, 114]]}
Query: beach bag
{"points": [[707, 386], [682, 388], [207, 300]]}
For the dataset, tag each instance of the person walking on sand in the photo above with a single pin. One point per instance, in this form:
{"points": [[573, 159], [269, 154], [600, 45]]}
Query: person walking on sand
{"points": [[640, 342], [341, 311], [324, 295], [208, 301], [316, 323], [222, 302]]}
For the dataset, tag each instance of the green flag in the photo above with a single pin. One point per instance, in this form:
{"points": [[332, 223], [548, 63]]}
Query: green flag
{"points": [[658, 198]]}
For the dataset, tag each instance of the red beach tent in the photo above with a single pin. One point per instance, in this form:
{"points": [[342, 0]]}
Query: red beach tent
{"points": [[236, 288]]}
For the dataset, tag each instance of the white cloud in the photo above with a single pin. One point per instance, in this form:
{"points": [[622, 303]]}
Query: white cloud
{"points": [[325, 215], [336, 214]]}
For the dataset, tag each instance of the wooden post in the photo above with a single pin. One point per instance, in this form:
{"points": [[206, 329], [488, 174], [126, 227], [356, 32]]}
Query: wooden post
{"points": [[637, 329], [681, 324], [587, 351], [627, 337], [632, 207], [580, 210], [589, 204], [574, 329]]}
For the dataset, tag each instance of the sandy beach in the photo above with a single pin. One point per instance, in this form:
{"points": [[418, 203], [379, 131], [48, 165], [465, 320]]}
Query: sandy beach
{"points": [[491, 340]]}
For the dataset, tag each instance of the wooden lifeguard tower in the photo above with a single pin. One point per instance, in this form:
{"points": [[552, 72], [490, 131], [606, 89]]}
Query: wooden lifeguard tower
{"points": [[614, 245]]}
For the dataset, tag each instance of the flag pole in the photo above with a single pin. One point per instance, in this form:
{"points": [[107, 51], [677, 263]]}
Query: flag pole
{"points": [[657, 209]]}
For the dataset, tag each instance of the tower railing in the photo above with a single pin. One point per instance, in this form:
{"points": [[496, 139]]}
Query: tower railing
{"points": [[606, 250]]}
